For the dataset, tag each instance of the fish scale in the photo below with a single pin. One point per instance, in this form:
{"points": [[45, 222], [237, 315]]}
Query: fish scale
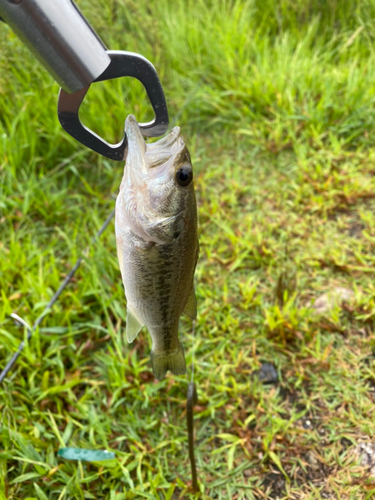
{"points": [[157, 242]]}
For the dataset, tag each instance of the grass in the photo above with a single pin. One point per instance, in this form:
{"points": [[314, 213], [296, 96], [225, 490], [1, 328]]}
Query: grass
{"points": [[276, 102]]}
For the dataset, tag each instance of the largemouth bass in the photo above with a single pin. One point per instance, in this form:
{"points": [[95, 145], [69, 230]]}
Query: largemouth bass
{"points": [[157, 242]]}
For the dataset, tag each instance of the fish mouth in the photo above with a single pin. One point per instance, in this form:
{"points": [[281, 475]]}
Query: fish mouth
{"points": [[136, 143], [164, 151], [154, 154], [133, 132]]}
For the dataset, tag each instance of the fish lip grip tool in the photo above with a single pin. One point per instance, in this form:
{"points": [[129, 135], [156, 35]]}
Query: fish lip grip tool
{"points": [[122, 64]]}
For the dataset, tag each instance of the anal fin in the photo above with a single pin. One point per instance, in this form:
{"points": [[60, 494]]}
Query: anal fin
{"points": [[191, 306], [173, 361], [133, 325]]}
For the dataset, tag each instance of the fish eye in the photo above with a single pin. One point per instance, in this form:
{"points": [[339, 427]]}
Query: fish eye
{"points": [[184, 175]]}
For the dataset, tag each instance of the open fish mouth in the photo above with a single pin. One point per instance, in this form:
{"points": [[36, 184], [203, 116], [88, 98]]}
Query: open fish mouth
{"points": [[152, 155]]}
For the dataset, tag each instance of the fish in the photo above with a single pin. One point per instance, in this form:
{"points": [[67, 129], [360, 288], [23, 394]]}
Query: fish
{"points": [[156, 226]]}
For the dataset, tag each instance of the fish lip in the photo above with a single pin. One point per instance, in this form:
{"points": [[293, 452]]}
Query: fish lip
{"points": [[134, 134], [167, 141], [136, 147], [131, 123]]}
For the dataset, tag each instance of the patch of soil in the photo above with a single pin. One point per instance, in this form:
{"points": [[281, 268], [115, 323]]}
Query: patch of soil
{"points": [[274, 484], [365, 452]]}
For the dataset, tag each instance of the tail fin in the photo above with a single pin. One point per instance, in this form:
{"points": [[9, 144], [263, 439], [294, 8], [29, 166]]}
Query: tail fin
{"points": [[173, 361]]}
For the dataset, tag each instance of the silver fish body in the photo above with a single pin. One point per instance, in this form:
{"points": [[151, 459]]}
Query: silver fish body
{"points": [[157, 242]]}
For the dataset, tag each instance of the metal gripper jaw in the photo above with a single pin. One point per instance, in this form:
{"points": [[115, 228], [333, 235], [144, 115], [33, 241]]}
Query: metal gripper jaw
{"points": [[122, 64]]}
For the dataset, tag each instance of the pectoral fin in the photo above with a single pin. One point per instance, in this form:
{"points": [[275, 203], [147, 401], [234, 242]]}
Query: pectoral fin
{"points": [[191, 306], [133, 326]]}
